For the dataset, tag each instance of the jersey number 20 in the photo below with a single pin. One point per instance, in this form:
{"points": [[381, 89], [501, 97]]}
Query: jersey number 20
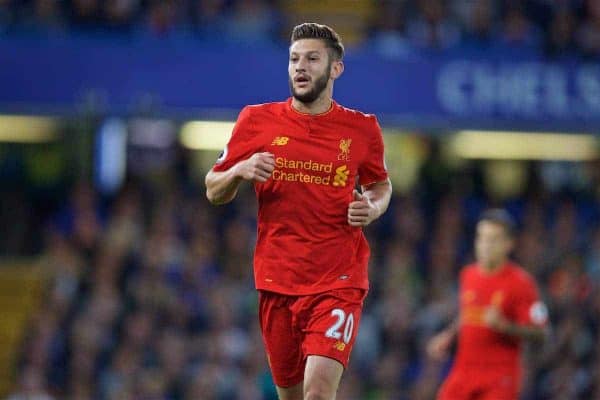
{"points": [[334, 330]]}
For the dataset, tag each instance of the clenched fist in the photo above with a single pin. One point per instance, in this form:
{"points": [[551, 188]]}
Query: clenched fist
{"points": [[361, 211], [257, 168]]}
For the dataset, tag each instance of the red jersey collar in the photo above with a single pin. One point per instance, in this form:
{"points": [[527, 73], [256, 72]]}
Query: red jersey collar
{"points": [[496, 272], [334, 105]]}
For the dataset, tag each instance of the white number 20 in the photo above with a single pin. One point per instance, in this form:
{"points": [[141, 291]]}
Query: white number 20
{"points": [[334, 330]]}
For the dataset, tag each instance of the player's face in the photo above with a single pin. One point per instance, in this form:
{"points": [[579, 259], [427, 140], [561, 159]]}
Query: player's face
{"points": [[309, 69], [492, 244]]}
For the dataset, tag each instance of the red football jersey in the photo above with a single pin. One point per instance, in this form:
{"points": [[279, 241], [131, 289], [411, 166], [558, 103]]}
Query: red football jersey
{"points": [[304, 243], [514, 291]]}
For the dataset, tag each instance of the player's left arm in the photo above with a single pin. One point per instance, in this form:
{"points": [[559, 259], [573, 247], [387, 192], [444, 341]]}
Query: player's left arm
{"points": [[503, 325], [370, 204], [528, 332], [375, 184], [531, 315]]}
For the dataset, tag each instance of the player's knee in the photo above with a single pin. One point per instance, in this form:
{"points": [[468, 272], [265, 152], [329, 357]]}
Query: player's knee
{"points": [[319, 391], [321, 383], [318, 395]]}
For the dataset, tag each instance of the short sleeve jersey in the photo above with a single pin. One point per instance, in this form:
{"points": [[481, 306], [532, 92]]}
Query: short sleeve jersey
{"points": [[511, 289], [304, 242]]}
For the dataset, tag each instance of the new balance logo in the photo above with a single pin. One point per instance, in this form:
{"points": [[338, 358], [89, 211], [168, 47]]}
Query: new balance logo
{"points": [[340, 346], [280, 141]]}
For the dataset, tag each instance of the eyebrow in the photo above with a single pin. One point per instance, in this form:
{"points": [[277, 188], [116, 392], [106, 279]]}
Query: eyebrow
{"points": [[310, 52]]}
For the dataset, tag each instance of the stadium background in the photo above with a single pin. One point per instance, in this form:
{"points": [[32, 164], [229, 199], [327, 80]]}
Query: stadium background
{"points": [[119, 281]]}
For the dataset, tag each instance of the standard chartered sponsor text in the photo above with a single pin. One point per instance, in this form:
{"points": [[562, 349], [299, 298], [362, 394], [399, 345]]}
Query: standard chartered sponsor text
{"points": [[304, 171], [310, 165]]}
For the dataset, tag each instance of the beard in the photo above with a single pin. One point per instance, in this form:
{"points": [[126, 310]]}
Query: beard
{"points": [[319, 86]]}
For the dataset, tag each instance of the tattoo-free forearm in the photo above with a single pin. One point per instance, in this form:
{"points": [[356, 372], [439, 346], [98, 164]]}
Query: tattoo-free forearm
{"points": [[379, 194], [221, 187], [528, 332]]}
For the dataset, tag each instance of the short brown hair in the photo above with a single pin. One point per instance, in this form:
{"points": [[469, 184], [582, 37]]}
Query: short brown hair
{"points": [[311, 30], [500, 217]]}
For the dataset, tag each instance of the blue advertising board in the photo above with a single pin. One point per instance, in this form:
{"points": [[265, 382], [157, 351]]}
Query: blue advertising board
{"points": [[193, 79]]}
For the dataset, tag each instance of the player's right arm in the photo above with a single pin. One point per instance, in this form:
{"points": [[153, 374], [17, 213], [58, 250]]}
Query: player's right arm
{"points": [[222, 186], [439, 346], [243, 159], [531, 314]]}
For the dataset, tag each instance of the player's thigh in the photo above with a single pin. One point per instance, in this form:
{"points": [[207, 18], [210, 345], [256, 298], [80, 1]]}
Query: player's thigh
{"points": [[322, 377], [332, 323], [283, 343]]}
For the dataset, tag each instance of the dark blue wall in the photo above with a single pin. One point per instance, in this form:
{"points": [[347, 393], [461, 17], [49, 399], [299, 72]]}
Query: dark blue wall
{"points": [[191, 78]]}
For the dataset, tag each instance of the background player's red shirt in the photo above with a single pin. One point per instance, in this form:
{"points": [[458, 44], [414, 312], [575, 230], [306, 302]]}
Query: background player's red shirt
{"points": [[304, 242], [514, 291]]}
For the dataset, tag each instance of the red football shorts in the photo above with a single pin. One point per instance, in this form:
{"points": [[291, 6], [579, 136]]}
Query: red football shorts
{"points": [[294, 327], [473, 384]]}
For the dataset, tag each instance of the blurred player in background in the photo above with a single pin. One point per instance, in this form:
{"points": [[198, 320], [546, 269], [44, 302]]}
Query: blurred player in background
{"points": [[304, 156], [499, 308]]}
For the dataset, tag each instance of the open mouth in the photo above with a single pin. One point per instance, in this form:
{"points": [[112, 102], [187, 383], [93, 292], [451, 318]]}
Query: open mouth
{"points": [[302, 80]]}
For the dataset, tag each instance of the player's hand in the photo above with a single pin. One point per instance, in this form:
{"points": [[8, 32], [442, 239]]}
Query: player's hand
{"points": [[361, 211], [257, 168], [495, 320], [439, 345]]}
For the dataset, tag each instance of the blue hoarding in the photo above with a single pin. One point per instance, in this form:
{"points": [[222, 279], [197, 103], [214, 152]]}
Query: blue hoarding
{"points": [[188, 78]]}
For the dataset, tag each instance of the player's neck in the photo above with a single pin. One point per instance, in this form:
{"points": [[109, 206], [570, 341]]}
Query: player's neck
{"points": [[319, 106], [491, 268]]}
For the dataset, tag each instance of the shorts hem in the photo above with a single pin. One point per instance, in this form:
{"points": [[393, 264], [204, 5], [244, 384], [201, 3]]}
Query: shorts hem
{"points": [[313, 292], [286, 384], [344, 364]]}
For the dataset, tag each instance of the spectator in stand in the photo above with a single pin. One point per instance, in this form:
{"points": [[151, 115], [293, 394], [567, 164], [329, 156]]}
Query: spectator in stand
{"points": [[518, 31], [8, 14], [85, 14], [162, 17], [588, 35], [32, 386], [209, 18], [121, 14], [561, 36], [479, 26], [42, 16], [388, 35], [433, 28], [252, 21]]}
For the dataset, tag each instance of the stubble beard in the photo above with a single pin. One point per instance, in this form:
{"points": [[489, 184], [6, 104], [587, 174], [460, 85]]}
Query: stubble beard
{"points": [[318, 87]]}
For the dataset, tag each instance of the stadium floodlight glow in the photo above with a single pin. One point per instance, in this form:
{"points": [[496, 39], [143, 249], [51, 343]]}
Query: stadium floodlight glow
{"points": [[524, 145], [27, 129], [206, 135]]}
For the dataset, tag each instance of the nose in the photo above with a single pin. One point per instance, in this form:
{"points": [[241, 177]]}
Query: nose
{"points": [[301, 64]]}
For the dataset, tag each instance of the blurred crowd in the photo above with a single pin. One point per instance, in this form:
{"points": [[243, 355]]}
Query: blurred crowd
{"points": [[397, 28], [149, 294]]}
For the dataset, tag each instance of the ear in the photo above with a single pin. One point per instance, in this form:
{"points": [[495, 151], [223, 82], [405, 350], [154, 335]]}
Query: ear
{"points": [[511, 244], [337, 68]]}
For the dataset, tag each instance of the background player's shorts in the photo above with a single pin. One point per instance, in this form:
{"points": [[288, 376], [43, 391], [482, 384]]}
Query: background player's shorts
{"points": [[294, 327], [473, 384]]}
